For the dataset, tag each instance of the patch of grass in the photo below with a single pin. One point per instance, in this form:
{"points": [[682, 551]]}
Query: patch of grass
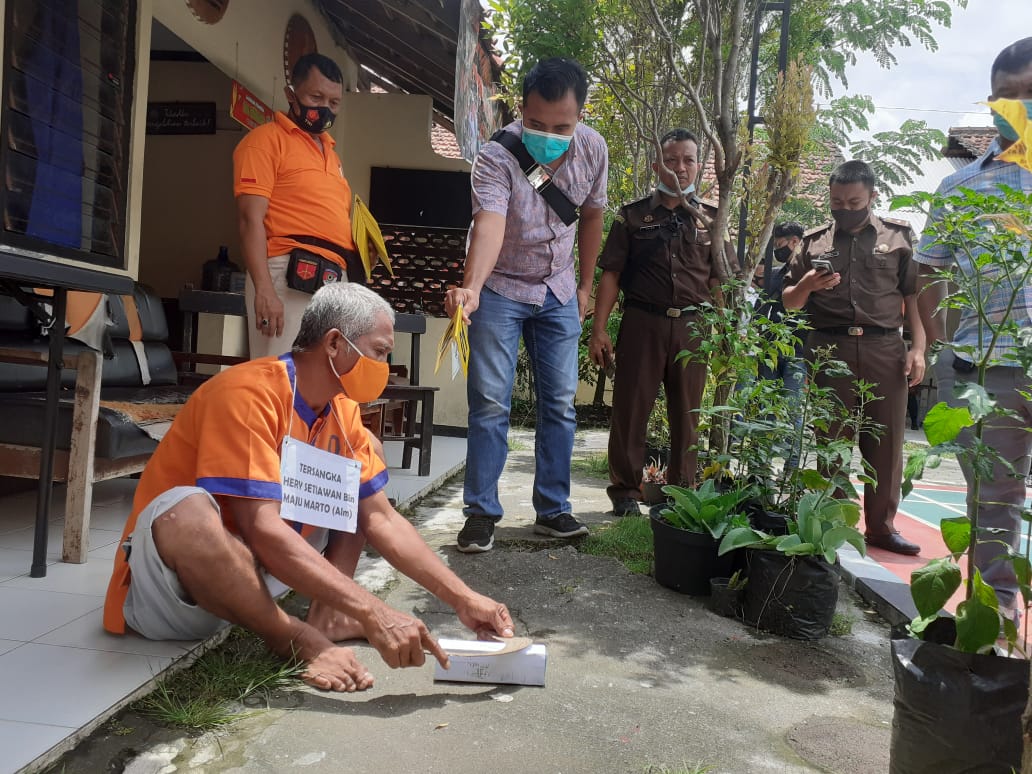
{"points": [[684, 768], [116, 728], [206, 695], [629, 540], [593, 465], [841, 625], [516, 445]]}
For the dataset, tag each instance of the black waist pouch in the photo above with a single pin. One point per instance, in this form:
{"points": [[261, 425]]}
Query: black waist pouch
{"points": [[308, 271]]}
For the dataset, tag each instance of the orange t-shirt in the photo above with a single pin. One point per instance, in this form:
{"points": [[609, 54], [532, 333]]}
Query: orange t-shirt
{"points": [[227, 440], [307, 191]]}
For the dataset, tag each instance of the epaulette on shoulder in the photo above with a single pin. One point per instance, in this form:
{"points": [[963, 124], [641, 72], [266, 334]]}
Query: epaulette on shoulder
{"points": [[818, 229], [896, 222]]}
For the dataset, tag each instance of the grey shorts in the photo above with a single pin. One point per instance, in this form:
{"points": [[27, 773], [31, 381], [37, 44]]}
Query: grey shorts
{"points": [[157, 606]]}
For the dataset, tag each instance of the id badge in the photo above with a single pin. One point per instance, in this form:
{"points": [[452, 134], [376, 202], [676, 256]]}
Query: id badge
{"points": [[319, 488]]}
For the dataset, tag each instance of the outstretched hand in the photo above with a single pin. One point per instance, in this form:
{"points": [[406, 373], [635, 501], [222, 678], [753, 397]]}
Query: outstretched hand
{"points": [[402, 640], [487, 618]]}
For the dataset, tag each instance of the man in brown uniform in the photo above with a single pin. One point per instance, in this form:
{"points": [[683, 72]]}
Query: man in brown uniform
{"points": [[858, 307], [658, 254]]}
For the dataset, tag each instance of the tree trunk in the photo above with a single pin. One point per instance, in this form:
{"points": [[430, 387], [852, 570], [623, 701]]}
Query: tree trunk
{"points": [[719, 432]]}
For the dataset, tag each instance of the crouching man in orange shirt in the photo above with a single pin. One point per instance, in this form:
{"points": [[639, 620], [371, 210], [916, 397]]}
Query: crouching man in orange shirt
{"points": [[267, 481]]}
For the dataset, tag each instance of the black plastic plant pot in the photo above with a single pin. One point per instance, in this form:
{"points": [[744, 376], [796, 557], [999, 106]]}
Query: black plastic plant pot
{"points": [[685, 561], [652, 493], [792, 596], [766, 521], [725, 600], [955, 712]]}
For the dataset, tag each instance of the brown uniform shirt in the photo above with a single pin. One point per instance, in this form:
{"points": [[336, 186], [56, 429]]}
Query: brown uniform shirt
{"points": [[877, 271], [662, 255]]}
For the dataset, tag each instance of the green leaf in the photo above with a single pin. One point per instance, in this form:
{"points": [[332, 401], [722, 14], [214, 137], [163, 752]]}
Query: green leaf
{"points": [[813, 481], [980, 405], [809, 527], [740, 537], [919, 624], [931, 586], [942, 423], [913, 469], [788, 541], [1022, 569], [978, 618], [836, 537], [956, 533], [802, 549]]}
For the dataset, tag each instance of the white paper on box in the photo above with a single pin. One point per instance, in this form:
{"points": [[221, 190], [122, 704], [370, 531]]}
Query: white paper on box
{"points": [[472, 662]]}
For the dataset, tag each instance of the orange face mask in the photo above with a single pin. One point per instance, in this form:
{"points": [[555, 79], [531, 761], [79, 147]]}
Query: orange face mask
{"points": [[367, 378]]}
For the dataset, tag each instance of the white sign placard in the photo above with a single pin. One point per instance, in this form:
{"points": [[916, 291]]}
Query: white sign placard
{"points": [[319, 487]]}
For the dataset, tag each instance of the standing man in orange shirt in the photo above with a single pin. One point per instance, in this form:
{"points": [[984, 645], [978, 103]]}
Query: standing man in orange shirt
{"points": [[293, 207]]}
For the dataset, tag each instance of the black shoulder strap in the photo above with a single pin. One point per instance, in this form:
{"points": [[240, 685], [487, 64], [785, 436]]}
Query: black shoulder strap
{"points": [[537, 176]]}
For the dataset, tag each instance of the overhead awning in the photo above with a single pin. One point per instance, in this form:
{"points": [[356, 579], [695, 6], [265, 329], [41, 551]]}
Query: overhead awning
{"points": [[403, 45]]}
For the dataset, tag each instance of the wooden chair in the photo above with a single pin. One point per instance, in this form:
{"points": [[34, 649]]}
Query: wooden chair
{"points": [[410, 406]]}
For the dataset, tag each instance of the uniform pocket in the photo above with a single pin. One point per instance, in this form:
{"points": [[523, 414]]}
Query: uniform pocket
{"points": [[881, 261]]}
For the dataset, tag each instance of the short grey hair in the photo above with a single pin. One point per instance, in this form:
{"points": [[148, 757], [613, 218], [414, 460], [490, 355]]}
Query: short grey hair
{"points": [[350, 308]]}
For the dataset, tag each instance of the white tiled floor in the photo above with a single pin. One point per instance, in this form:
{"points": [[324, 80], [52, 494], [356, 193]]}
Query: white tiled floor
{"points": [[59, 670]]}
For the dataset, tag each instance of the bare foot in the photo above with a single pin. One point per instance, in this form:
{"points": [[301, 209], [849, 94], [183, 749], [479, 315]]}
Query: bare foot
{"points": [[337, 669], [333, 624], [328, 667]]}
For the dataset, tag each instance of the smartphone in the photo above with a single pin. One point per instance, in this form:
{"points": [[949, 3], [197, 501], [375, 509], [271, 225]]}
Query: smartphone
{"points": [[822, 265], [610, 366]]}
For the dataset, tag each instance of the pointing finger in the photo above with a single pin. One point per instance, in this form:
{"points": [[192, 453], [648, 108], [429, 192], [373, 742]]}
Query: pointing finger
{"points": [[434, 648]]}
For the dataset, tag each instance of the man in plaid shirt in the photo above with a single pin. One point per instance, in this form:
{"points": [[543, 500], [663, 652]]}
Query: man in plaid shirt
{"points": [[521, 280], [1003, 494]]}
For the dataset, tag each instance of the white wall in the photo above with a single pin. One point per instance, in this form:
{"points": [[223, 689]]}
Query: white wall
{"points": [[393, 130]]}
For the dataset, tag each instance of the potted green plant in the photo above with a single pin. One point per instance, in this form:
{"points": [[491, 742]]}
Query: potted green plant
{"points": [[958, 702], [686, 533], [657, 432], [726, 594], [793, 585], [653, 479]]}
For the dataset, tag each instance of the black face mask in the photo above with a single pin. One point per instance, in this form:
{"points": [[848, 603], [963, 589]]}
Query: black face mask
{"points": [[782, 254], [314, 120], [848, 220]]}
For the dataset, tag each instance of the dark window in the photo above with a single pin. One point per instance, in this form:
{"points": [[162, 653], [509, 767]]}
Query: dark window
{"points": [[420, 197], [65, 121]]}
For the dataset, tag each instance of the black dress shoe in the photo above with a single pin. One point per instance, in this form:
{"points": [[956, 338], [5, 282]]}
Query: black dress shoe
{"points": [[626, 506], [893, 542]]}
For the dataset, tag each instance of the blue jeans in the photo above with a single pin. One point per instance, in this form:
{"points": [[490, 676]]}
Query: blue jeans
{"points": [[550, 333]]}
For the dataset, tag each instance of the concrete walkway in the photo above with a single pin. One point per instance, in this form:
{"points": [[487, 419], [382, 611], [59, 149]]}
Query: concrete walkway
{"points": [[639, 678]]}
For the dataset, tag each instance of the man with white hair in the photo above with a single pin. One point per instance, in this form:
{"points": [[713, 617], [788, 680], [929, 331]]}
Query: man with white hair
{"points": [[266, 481]]}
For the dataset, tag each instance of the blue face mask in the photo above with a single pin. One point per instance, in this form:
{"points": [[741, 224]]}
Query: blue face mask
{"points": [[543, 147], [1005, 129], [665, 189]]}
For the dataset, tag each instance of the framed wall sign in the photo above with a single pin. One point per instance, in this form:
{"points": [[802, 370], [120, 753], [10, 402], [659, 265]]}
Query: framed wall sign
{"points": [[180, 118]]}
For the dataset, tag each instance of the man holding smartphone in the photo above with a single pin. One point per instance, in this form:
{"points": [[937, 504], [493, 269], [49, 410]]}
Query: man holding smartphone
{"points": [[856, 279]]}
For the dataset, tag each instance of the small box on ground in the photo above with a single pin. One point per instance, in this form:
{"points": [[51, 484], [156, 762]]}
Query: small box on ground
{"points": [[492, 662]]}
